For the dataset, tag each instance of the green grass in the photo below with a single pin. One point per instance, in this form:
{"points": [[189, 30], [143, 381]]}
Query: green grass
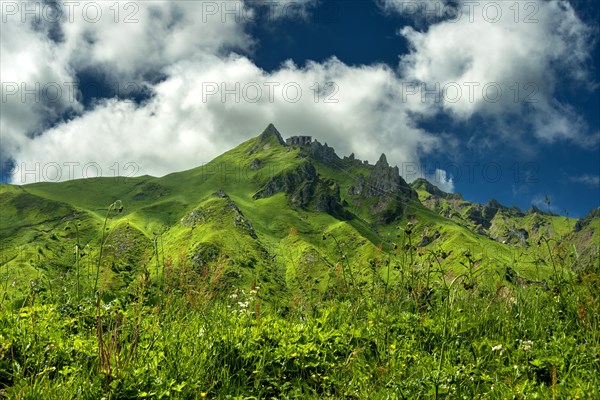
{"points": [[180, 337]]}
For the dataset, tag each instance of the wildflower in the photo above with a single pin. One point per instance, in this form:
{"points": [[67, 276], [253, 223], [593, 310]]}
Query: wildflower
{"points": [[527, 344], [202, 394], [393, 346], [496, 348]]}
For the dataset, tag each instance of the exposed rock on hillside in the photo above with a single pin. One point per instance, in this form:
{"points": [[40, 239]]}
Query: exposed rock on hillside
{"points": [[585, 221], [305, 190], [239, 220], [322, 153], [385, 179], [288, 181]]}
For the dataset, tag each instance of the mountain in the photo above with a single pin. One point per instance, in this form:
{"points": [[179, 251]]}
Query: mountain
{"points": [[284, 215]]}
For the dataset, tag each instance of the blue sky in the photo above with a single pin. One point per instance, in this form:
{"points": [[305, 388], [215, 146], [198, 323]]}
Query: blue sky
{"points": [[159, 87]]}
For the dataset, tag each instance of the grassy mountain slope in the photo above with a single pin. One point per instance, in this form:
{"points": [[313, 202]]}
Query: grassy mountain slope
{"points": [[265, 213]]}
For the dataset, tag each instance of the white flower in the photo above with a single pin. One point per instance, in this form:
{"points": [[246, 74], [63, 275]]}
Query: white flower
{"points": [[527, 344], [496, 348]]}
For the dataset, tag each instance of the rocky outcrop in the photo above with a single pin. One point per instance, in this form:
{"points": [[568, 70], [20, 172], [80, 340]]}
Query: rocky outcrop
{"points": [[239, 220], [323, 153], [305, 190], [288, 181], [585, 221], [358, 188], [427, 239], [484, 214], [386, 180], [202, 215]]}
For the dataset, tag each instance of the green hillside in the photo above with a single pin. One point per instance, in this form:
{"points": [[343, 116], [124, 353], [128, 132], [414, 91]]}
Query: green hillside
{"points": [[264, 207], [284, 271]]}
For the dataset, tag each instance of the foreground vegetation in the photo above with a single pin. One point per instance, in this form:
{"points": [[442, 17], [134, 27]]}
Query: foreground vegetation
{"points": [[425, 334], [283, 272]]}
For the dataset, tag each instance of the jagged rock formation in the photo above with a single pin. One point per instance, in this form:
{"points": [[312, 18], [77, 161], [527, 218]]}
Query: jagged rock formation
{"points": [[385, 186], [323, 153], [385, 179], [288, 181], [305, 190]]}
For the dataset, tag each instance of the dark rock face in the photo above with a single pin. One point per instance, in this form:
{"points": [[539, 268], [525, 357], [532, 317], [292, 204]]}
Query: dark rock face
{"points": [[475, 216], [385, 189], [484, 214], [585, 221], [358, 188], [323, 153], [305, 190], [491, 209], [385, 179], [288, 181]]}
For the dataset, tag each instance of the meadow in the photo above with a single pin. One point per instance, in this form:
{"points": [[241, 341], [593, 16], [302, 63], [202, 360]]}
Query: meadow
{"points": [[419, 329]]}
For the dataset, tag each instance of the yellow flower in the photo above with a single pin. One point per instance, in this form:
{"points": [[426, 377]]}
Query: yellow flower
{"points": [[393, 346], [202, 394]]}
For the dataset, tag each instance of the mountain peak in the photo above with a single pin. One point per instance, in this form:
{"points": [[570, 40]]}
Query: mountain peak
{"points": [[383, 160], [271, 132]]}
